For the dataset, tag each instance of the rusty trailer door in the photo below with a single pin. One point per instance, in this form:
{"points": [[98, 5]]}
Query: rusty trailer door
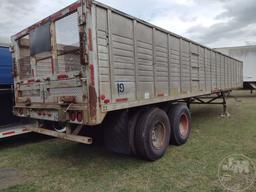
{"points": [[50, 70]]}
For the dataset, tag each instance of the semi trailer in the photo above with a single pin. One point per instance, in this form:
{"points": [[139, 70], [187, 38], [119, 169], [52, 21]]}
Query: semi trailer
{"points": [[90, 66], [8, 122]]}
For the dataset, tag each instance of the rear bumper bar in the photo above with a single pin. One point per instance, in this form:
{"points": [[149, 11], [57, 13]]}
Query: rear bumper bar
{"points": [[12, 130], [76, 138]]}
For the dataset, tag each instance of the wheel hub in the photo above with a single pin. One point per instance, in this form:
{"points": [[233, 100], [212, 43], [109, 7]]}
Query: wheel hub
{"points": [[158, 135], [184, 125]]}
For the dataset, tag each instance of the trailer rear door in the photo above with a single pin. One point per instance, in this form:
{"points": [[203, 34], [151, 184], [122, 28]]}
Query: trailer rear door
{"points": [[50, 69]]}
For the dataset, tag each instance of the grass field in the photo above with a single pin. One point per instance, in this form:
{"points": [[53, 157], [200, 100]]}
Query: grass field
{"points": [[38, 163]]}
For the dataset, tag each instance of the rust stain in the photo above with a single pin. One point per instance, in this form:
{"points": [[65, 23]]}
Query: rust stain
{"points": [[92, 75], [52, 65], [92, 101], [68, 99], [83, 54], [90, 39], [89, 4], [51, 18]]}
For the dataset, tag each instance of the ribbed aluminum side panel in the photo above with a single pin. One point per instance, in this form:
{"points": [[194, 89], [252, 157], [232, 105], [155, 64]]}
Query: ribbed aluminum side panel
{"points": [[239, 74], [44, 68], [138, 62], [222, 71], [231, 73], [202, 75], [123, 67], [103, 51], [195, 67], [144, 55], [25, 68], [174, 66], [69, 62], [218, 70], [161, 63], [234, 74], [213, 70], [208, 69], [226, 72], [185, 67]]}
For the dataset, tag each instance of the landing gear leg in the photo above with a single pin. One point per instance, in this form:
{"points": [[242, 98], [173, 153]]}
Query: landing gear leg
{"points": [[189, 103], [225, 111]]}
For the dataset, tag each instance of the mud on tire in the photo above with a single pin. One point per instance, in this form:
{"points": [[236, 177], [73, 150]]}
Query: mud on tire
{"points": [[152, 134], [180, 122]]}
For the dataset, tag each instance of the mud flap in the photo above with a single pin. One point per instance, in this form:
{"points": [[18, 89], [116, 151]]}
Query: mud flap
{"points": [[116, 132]]}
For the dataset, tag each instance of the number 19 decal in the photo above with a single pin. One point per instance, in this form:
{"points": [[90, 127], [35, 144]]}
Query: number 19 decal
{"points": [[120, 88]]}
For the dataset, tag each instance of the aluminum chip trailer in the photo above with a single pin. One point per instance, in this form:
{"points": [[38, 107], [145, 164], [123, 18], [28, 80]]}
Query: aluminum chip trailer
{"points": [[89, 66], [8, 123]]}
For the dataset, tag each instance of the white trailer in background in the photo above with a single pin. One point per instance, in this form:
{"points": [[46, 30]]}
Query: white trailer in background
{"points": [[247, 54]]}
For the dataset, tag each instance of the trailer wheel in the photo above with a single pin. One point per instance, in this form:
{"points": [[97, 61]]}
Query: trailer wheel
{"points": [[60, 127], [180, 121], [152, 134]]}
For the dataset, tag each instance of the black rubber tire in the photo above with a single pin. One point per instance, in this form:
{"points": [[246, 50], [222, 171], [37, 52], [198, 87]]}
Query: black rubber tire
{"points": [[168, 106], [116, 135], [143, 134], [175, 113], [132, 122]]}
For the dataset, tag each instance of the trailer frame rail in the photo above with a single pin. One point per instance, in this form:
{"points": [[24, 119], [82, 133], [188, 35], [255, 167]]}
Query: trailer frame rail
{"points": [[211, 100]]}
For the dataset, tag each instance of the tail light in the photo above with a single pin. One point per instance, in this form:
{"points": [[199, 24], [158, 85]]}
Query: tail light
{"points": [[79, 116], [31, 81], [62, 77], [72, 116]]}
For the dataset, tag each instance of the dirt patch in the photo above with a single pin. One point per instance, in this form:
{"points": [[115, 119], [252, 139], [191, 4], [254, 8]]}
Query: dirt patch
{"points": [[10, 177]]}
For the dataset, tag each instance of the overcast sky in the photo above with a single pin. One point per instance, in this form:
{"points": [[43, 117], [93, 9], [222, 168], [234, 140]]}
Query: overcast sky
{"points": [[214, 23]]}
